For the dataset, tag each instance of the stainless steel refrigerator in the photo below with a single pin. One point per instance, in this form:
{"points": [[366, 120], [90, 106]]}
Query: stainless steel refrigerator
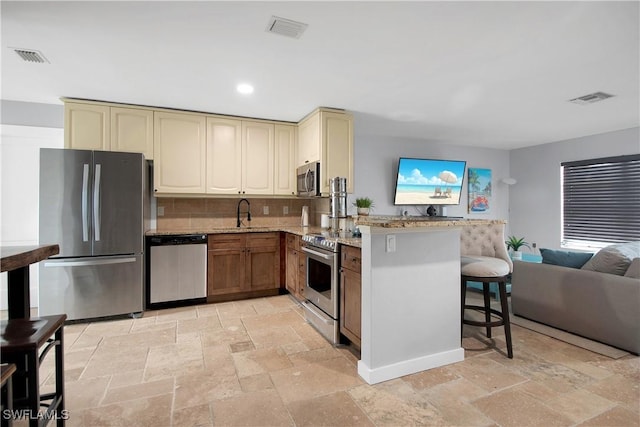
{"points": [[94, 204]]}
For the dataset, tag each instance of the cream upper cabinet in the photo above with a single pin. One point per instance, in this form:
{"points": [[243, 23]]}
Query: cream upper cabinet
{"points": [[258, 149], [224, 156], [240, 156], [337, 149], [285, 160], [213, 154], [179, 152], [132, 131], [86, 126], [309, 140], [98, 126], [327, 135]]}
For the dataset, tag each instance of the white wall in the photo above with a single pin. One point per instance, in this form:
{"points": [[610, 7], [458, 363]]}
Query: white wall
{"points": [[20, 113], [376, 162], [536, 198], [19, 175]]}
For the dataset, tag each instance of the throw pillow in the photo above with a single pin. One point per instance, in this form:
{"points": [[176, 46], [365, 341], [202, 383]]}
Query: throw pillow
{"points": [[565, 258], [614, 259]]}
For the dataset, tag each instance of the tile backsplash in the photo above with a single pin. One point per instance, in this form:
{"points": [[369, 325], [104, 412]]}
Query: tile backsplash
{"points": [[181, 213]]}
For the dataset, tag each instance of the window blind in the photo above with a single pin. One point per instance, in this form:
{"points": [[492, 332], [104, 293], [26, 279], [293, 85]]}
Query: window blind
{"points": [[601, 199]]}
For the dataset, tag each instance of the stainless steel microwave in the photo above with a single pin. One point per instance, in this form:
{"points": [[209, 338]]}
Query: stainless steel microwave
{"points": [[308, 179]]}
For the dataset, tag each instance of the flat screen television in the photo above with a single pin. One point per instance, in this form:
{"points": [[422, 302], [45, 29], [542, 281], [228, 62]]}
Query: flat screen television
{"points": [[429, 181]]}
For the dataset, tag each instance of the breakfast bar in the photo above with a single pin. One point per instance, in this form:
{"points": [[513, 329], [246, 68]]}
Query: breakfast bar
{"points": [[16, 261], [410, 295], [25, 340]]}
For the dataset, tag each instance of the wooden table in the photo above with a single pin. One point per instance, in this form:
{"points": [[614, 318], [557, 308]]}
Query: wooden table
{"points": [[16, 261]]}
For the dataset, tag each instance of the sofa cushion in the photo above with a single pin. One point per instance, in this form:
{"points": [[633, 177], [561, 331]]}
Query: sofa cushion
{"points": [[565, 258], [483, 266], [614, 259], [634, 269]]}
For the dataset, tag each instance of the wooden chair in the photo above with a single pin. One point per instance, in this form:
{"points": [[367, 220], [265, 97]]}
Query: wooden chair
{"points": [[25, 343], [6, 372], [484, 259]]}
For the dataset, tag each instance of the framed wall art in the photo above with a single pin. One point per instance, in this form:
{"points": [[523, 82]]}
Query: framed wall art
{"points": [[479, 186]]}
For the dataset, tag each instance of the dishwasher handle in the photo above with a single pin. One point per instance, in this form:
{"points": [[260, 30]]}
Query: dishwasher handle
{"points": [[178, 239]]}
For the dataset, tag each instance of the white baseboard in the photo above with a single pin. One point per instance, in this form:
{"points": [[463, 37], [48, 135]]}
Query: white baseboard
{"points": [[396, 370]]}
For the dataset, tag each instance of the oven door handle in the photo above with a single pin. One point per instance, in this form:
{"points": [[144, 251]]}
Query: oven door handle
{"points": [[316, 253]]}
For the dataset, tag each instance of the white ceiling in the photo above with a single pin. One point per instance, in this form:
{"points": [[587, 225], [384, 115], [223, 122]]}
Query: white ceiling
{"points": [[492, 74]]}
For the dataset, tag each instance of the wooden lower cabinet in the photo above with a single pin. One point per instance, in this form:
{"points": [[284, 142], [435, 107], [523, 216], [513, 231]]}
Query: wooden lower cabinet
{"points": [[295, 267], [243, 265], [350, 294]]}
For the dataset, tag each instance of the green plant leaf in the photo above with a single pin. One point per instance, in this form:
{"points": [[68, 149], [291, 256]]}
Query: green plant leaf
{"points": [[363, 202], [516, 243]]}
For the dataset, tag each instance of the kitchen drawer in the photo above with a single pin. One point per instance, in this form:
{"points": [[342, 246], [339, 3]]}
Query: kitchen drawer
{"points": [[350, 258], [227, 241], [259, 240]]}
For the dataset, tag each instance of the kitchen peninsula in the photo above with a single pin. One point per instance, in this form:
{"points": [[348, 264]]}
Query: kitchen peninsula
{"points": [[410, 294], [410, 303]]}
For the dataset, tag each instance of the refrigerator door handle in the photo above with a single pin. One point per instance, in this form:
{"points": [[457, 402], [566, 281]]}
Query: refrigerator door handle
{"points": [[84, 202], [84, 262], [96, 203]]}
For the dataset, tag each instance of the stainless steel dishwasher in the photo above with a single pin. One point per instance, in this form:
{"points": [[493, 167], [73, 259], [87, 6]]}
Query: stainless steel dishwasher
{"points": [[176, 270]]}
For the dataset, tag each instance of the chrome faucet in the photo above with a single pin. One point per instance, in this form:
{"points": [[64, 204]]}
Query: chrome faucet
{"points": [[238, 212]]}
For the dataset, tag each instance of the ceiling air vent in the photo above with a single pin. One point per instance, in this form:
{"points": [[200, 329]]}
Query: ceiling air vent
{"points": [[591, 98], [30, 55], [286, 27]]}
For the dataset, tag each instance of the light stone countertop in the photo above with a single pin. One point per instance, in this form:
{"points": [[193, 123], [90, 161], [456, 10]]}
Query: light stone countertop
{"points": [[421, 221], [343, 239]]}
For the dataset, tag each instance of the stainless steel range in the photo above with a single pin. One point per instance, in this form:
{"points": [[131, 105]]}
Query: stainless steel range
{"points": [[321, 284]]}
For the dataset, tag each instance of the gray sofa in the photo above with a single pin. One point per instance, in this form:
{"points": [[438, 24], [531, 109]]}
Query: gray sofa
{"points": [[601, 306]]}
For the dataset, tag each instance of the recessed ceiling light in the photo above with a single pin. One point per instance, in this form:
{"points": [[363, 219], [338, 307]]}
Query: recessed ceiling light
{"points": [[244, 88]]}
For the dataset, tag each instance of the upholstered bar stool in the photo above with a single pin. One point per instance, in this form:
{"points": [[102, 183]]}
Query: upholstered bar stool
{"points": [[484, 258]]}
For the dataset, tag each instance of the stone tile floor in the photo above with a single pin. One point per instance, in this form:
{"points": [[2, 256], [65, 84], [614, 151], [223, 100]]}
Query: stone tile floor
{"points": [[257, 363]]}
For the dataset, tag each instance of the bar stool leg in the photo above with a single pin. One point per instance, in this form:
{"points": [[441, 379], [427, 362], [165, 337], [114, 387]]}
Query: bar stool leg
{"points": [[502, 286], [463, 297], [33, 384], [487, 306], [59, 359]]}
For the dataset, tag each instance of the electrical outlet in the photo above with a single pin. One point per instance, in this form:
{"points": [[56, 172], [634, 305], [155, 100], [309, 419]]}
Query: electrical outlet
{"points": [[265, 210], [160, 211], [535, 245], [391, 242], [285, 210]]}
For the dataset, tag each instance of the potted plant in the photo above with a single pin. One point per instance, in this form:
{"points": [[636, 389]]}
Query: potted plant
{"points": [[364, 205], [514, 244]]}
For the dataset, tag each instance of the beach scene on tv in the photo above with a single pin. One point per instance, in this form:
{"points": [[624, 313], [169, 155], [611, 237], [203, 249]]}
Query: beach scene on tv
{"points": [[429, 182]]}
